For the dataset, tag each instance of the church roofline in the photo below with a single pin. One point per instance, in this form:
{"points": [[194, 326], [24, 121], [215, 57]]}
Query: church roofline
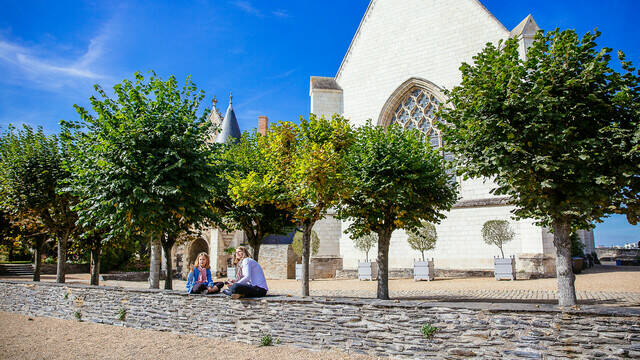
{"points": [[370, 8]]}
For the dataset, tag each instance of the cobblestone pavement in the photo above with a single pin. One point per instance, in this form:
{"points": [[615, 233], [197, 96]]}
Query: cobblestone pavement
{"points": [[519, 296]]}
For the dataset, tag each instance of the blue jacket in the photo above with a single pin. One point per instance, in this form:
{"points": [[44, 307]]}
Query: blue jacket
{"points": [[193, 277]]}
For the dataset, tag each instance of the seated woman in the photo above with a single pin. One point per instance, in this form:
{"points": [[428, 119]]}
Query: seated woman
{"points": [[250, 281], [199, 279]]}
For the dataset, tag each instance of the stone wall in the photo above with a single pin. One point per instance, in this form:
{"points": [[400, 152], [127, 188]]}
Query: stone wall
{"points": [[325, 267], [382, 328], [611, 254], [278, 261], [50, 269]]}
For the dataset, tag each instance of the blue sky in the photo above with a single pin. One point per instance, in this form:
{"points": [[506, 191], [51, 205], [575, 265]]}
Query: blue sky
{"points": [[51, 53]]}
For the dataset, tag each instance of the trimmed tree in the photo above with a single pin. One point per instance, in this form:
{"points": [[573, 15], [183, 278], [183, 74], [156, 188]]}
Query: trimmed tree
{"points": [[423, 238], [498, 233], [31, 177], [558, 132], [365, 243], [296, 244], [305, 174], [397, 181], [256, 215], [151, 171]]}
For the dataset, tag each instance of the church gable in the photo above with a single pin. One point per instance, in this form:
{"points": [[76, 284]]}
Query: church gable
{"points": [[398, 40]]}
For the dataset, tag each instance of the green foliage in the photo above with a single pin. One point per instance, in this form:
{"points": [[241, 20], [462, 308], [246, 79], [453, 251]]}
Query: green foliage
{"points": [[428, 331], [230, 250], [78, 315], [577, 246], [122, 314], [559, 131], [498, 233], [143, 162], [266, 340], [296, 245], [365, 243], [31, 194], [50, 260], [304, 172], [423, 238], [278, 342], [396, 181], [253, 212]]}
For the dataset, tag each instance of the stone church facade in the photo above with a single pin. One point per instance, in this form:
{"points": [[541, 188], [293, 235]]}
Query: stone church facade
{"points": [[402, 56]]}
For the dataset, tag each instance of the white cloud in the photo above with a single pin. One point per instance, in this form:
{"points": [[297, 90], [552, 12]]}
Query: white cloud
{"points": [[280, 13], [282, 75], [248, 8], [40, 66]]}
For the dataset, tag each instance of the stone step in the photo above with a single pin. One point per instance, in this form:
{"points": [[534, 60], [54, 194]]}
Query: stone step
{"points": [[16, 269]]}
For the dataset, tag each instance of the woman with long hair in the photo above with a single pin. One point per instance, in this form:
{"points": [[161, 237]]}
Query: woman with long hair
{"points": [[250, 280]]}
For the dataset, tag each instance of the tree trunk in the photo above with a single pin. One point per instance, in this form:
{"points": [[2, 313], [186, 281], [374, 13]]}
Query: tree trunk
{"points": [[167, 244], [254, 240], [502, 252], [564, 272], [154, 264], [306, 252], [39, 244], [384, 237], [96, 250], [62, 257]]}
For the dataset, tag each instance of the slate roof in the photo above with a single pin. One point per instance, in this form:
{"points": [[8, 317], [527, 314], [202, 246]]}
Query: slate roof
{"points": [[229, 130], [325, 83]]}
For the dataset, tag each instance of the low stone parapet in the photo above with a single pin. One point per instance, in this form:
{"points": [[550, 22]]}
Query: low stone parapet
{"points": [[381, 328]]}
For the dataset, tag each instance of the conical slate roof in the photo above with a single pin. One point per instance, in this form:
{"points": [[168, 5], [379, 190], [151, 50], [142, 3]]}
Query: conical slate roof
{"points": [[229, 130]]}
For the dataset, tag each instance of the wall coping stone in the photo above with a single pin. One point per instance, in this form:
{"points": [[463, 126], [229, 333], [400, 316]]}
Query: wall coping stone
{"points": [[582, 310]]}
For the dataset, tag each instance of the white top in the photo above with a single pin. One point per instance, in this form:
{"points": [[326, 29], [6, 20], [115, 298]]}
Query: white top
{"points": [[252, 274]]}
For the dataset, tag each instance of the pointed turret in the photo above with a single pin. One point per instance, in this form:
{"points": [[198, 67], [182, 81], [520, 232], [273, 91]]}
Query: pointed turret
{"points": [[229, 130]]}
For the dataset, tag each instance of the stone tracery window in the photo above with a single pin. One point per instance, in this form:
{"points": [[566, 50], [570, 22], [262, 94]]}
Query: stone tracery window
{"points": [[418, 111]]}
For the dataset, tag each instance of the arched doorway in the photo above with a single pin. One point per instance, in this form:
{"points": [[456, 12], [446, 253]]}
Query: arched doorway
{"points": [[196, 247]]}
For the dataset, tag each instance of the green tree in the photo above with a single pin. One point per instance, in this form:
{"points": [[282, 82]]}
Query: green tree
{"points": [[365, 242], [498, 233], [397, 181], [558, 132], [31, 177], [423, 238], [306, 165], [254, 214], [149, 169]]}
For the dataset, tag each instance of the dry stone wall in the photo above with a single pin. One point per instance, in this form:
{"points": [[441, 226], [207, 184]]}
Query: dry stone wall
{"points": [[383, 328]]}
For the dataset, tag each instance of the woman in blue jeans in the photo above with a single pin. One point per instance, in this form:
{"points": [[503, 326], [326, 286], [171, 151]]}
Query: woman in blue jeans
{"points": [[250, 280]]}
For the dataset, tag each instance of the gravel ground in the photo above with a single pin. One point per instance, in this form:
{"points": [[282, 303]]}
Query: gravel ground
{"points": [[25, 337]]}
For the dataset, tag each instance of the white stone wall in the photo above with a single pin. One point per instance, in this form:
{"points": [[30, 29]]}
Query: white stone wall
{"points": [[325, 102], [411, 38], [329, 231], [460, 244]]}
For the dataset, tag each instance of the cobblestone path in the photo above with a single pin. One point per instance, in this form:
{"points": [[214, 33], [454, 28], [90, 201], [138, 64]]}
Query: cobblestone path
{"points": [[519, 296]]}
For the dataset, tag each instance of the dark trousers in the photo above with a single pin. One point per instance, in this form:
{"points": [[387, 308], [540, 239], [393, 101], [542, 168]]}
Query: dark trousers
{"points": [[248, 290], [202, 286]]}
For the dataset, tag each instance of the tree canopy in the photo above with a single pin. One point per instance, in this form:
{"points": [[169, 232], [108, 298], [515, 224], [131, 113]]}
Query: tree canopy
{"points": [[305, 173], [558, 132], [31, 180], [397, 180], [423, 238], [498, 233], [146, 166]]}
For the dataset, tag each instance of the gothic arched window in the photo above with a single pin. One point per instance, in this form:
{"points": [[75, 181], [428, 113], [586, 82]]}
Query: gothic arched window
{"points": [[418, 111]]}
